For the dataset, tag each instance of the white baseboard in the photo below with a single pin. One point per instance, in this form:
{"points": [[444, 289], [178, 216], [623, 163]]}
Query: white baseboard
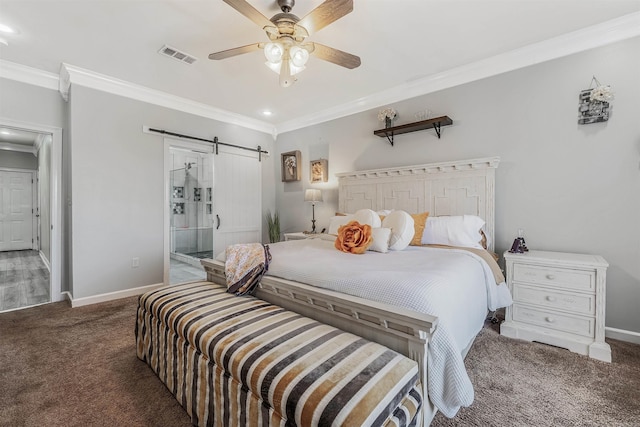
{"points": [[622, 335], [45, 261], [79, 302]]}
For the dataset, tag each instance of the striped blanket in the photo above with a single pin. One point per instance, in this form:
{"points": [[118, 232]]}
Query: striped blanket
{"points": [[233, 360]]}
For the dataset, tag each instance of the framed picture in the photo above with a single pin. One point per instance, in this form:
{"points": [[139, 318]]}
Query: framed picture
{"points": [[291, 166], [319, 170]]}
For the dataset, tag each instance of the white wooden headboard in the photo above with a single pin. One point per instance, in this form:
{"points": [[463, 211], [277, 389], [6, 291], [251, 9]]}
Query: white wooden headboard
{"points": [[447, 188]]}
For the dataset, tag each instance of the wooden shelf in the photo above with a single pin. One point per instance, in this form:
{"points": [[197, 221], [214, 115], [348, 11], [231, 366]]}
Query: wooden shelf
{"points": [[435, 123]]}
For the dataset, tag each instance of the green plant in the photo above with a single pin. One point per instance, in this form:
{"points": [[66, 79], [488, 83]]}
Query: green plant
{"points": [[273, 222]]}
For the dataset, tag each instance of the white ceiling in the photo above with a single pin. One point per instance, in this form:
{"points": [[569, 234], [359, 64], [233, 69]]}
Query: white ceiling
{"points": [[399, 41]]}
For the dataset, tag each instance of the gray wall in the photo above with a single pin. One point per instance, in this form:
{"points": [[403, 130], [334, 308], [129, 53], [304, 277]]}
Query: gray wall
{"points": [[570, 187], [18, 160], [118, 186], [44, 183], [33, 104]]}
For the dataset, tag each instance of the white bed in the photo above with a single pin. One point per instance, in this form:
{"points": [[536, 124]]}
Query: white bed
{"points": [[374, 295]]}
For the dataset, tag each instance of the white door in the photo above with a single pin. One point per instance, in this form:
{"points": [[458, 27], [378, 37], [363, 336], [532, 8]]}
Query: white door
{"points": [[16, 216], [237, 195]]}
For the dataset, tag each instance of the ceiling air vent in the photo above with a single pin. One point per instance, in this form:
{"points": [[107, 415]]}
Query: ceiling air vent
{"points": [[176, 54]]}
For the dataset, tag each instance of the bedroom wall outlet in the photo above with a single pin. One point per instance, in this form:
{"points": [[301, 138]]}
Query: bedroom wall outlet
{"points": [[135, 262]]}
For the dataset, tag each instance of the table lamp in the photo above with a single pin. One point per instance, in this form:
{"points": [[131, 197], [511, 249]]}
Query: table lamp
{"points": [[313, 196]]}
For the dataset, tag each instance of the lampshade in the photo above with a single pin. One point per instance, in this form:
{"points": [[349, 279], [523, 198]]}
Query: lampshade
{"points": [[273, 52], [299, 56], [312, 195]]}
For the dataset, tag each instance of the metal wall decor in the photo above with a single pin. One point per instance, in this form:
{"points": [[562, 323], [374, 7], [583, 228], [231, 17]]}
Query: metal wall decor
{"points": [[594, 104]]}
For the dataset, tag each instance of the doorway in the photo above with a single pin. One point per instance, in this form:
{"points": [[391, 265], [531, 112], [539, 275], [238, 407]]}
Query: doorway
{"points": [[30, 214], [190, 210], [188, 204]]}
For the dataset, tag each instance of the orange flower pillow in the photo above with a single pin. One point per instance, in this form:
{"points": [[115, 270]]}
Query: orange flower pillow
{"points": [[354, 238]]}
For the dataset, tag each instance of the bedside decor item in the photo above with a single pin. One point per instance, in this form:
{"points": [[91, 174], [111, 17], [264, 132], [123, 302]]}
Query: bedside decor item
{"points": [[314, 196], [291, 166], [319, 170], [387, 115], [519, 246], [594, 103]]}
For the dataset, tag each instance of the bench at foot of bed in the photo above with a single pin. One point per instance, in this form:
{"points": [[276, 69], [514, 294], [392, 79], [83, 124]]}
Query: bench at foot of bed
{"points": [[241, 361]]}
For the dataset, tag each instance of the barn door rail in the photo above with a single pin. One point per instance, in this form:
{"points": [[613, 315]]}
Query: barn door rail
{"points": [[215, 142]]}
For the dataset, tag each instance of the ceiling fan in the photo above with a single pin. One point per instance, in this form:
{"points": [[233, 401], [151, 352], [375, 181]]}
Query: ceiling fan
{"points": [[288, 50]]}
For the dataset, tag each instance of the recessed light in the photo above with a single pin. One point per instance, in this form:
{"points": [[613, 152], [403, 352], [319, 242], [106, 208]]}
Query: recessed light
{"points": [[6, 29], [267, 113]]}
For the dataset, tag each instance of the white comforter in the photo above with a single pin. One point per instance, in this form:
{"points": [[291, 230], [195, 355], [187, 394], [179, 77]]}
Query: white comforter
{"points": [[457, 286]]}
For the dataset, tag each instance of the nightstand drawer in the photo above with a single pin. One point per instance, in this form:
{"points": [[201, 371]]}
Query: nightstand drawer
{"points": [[572, 324], [554, 276], [580, 303]]}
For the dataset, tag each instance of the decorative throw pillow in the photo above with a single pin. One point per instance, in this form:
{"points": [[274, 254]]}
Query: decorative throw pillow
{"points": [[367, 216], [380, 239], [419, 222], [459, 230], [353, 238], [401, 225]]}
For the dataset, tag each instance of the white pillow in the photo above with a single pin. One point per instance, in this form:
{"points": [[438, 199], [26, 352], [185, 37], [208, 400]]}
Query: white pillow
{"points": [[380, 239], [402, 231], [338, 221], [459, 230], [367, 216], [384, 212]]}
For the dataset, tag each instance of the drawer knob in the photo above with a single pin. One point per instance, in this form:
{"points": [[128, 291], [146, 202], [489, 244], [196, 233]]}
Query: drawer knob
{"points": [[550, 298], [549, 319], [550, 276]]}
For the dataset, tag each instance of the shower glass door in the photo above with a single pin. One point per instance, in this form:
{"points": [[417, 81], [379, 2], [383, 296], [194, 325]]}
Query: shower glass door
{"points": [[191, 203]]}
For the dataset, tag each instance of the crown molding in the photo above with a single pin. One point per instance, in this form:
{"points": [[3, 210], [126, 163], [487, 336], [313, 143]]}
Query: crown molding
{"points": [[70, 74], [33, 76], [622, 28], [17, 147]]}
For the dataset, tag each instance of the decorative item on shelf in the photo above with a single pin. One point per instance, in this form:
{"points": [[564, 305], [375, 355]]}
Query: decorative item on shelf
{"points": [[387, 115], [319, 170], [594, 104], [423, 115], [291, 166], [314, 196]]}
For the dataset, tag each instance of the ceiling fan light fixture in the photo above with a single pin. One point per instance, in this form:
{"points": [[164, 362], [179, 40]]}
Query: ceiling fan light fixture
{"points": [[286, 78], [275, 67], [299, 56], [274, 52]]}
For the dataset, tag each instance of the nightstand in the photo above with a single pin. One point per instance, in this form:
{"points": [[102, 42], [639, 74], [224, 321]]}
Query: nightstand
{"points": [[295, 236], [558, 299]]}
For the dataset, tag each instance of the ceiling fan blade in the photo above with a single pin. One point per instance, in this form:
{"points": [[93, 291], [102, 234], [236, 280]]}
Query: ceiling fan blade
{"points": [[323, 15], [249, 11], [224, 54], [336, 56]]}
